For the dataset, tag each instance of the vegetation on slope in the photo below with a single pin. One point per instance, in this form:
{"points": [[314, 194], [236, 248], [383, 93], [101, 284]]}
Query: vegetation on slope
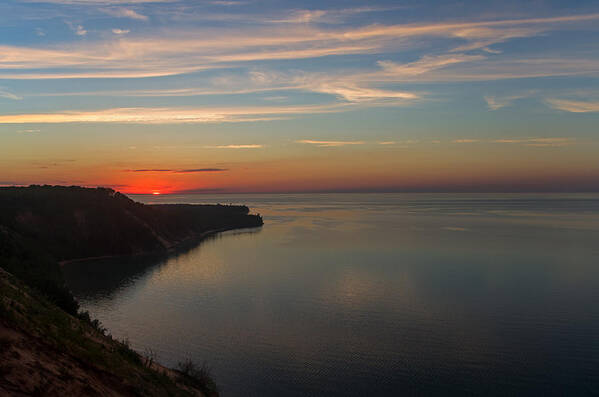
{"points": [[45, 351]]}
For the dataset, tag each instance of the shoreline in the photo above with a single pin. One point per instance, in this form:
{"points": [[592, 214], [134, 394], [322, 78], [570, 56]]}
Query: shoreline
{"points": [[189, 241]]}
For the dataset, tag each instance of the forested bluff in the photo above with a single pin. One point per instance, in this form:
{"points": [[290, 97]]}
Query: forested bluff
{"points": [[42, 226]]}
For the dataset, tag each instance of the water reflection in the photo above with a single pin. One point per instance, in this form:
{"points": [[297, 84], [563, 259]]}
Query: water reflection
{"points": [[375, 295], [102, 278]]}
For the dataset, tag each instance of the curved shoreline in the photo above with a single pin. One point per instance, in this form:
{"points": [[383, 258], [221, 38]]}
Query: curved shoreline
{"points": [[190, 242], [187, 242]]}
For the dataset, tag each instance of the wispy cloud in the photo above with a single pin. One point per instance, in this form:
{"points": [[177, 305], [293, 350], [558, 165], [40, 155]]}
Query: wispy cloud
{"points": [[80, 31], [302, 16], [98, 2], [351, 92], [331, 15], [465, 141], [107, 74], [574, 106], [120, 31], [495, 102], [121, 12], [9, 95], [497, 30], [175, 171], [150, 170], [234, 147], [176, 52], [343, 88], [426, 64], [516, 69], [176, 92], [350, 87], [194, 170], [227, 3], [536, 142], [456, 229], [330, 143], [77, 29], [539, 142], [173, 115], [403, 144]]}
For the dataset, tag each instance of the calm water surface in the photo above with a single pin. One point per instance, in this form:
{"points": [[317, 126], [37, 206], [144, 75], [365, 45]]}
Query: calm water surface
{"points": [[372, 294]]}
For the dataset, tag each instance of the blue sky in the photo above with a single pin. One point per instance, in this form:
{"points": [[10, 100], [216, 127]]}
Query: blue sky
{"points": [[276, 82]]}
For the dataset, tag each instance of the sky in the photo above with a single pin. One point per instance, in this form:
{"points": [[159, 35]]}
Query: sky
{"points": [[193, 96]]}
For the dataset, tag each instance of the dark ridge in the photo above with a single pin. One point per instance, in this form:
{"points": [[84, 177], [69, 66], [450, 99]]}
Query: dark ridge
{"points": [[43, 225], [74, 222]]}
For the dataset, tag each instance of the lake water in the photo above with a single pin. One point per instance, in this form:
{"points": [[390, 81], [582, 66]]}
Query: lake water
{"points": [[372, 294]]}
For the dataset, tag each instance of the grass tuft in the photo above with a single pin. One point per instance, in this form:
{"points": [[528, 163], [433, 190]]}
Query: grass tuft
{"points": [[198, 376]]}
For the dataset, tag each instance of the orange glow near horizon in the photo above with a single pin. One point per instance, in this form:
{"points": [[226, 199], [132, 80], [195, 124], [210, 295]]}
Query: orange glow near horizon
{"points": [[332, 98], [422, 166]]}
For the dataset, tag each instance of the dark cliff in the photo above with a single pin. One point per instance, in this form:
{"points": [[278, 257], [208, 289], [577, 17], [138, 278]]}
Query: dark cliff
{"points": [[75, 222], [43, 225], [46, 350]]}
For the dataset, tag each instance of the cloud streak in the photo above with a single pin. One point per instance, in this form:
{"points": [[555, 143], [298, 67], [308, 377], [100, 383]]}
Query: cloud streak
{"points": [[174, 171], [574, 106], [465, 141], [535, 142], [426, 64], [234, 147], [330, 143], [539, 142], [120, 31], [194, 170], [120, 12], [352, 92], [98, 2], [497, 102], [172, 115], [9, 95], [227, 3]]}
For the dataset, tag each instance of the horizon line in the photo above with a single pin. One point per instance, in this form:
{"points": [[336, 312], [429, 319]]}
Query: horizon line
{"points": [[318, 191]]}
